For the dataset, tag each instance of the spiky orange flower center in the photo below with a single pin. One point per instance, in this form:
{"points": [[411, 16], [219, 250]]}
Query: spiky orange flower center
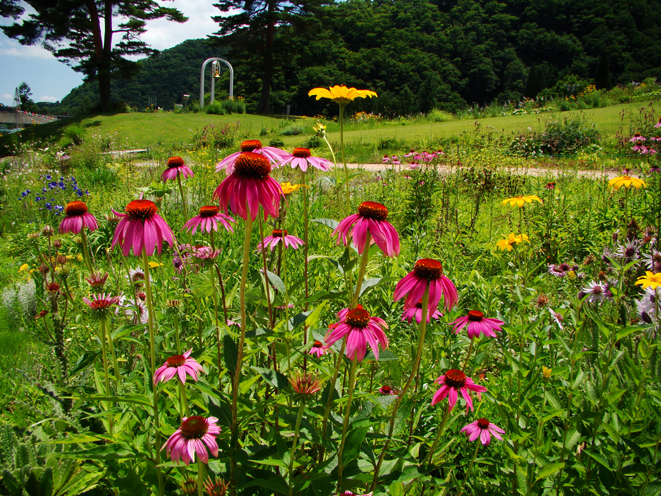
{"points": [[174, 162], [483, 423], [475, 316], [252, 166], [75, 209], [318, 344], [100, 304], [53, 287], [455, 378], [386, 389], [301, 152], [358, 318], [373, 210], [250, 145], [141, 209], [279, 233], [175, 361], [209, 211], [194, 427], [428, 268]]}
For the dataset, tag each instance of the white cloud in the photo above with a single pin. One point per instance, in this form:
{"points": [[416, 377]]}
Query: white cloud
{"points": [[7, 96], [13, 48], [47, 98]]}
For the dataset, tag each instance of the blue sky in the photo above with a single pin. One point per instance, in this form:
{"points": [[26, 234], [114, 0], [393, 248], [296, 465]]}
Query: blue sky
{"points": [[51, 80]]}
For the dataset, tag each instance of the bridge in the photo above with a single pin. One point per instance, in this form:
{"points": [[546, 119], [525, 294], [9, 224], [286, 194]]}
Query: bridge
{"points": [[24, 118]]}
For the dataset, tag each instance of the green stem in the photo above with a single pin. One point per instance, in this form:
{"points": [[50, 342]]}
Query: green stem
{"points": [[266, 279], [104, 354], [86, 250], [329, 402], [297, 429], [345, 424], [183, 199], [402, 394], [200, 477], [175, 320], [344, 161], [470, 466], [470, 348], [305, 267], [152, 356], [115, 365], [430, 455], [361, 271], [185, 410]]}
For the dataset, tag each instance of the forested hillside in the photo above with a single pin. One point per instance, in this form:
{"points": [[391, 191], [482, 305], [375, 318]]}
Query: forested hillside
{"points": [[421, 54]]}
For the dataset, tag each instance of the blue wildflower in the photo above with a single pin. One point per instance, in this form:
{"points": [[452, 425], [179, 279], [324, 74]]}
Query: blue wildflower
{"points": [[79, 192], [49, 177]]}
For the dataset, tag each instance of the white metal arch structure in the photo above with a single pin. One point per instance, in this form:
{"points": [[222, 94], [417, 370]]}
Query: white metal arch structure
{"points": [[204, 66]]}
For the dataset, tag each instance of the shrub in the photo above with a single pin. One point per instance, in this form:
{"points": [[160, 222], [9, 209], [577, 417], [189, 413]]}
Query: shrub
{"points": [[440, 116], [277, 142], [292, 130], [213, 136], [558, 138], [75, 133], [313, 142], [215, 108], [233, 106]]}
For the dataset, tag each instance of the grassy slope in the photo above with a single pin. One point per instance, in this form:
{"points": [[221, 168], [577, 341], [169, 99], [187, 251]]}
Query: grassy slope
{"points": [[150, 129]]}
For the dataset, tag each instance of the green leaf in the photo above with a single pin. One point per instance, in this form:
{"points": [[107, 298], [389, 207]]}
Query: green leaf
{"points": [[84, 361], [599, 458], [548, 470], [298, 319], [275, 482], [330, 223], [221, 410], [137, 399], [628, 330], [230, 353], [260, 332], [273, 377], [313, 318], [117, 451], [384, 356], [353, 444], [277, 282]]}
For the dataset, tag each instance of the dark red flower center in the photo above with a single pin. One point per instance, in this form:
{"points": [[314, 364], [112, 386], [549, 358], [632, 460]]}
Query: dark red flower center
{"points": [[194, 427], [386, 389], [475, 316], [483, 423], [141, 209], [250, 145], [279, 233], [175, 361], [318, 344], [53, 287], [373, 210], [101, 304], [629, 252], [75, 209], [564, 267], [301, 152], [358, 318], [637, 135], [174, 162], [455, 378], [428, 268], [419, 304], [252, 166], [597, 289], [209, 211]]}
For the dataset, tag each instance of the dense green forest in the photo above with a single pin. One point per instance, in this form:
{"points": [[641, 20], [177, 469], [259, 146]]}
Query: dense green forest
{"points": [[419, 55]]}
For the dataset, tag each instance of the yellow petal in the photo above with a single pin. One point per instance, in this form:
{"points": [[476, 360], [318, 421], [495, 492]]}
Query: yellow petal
{"points": [[320, 93]]}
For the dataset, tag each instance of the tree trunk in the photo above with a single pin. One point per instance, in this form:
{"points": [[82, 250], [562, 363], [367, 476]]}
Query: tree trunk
{"points": [[268, 61], [104, 88]]}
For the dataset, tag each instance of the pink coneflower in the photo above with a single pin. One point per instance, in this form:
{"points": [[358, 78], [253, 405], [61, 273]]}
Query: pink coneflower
{"points": [[100, 303], [141, 228], [302, 158], [413, 285], [97, 280], [318, 349], [362, 329], [387, 391], [349, 493], [176, 166], [305, 384], [559, 270], [637, 138], [207, 220], [483, 429], [557, 317], [275, 156], [453, 381], [195, 432], [77, 217], [250, 186], [596, 292], [180, 365], [550, 185], [658, 124], [205, 253], [371, 217], [276, 237], [476, 323], [134, 309], [416, 312]]}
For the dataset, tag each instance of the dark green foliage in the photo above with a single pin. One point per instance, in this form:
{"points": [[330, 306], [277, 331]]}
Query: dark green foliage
{"points": [[558, 138], [602, 78], [213, 136]]}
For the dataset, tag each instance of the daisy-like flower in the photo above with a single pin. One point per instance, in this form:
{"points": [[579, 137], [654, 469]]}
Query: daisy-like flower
{"points": [[205, 252], [628, 252], [371, 217], [557, 317], [305, 384], [559, 270], [141, 228], [653, 260], [426, 271], [454, 381], [658, 124], [288, 188], [341, 94], [649, 280], [318, 349], [207, 220], [278, 236], [637, 138], [627, 182], [509, 242], [249, 186], [76, 217], [302, 158], [176, 167], [101, 303], [190, 439], [362, 329], [275, 156], [134, 309], [483, 429], [97, 280], [477, 324], [387, 391], [415, 312], [349, 493], [180, 365], [520, 201], [550, 185], [596, 292]]}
